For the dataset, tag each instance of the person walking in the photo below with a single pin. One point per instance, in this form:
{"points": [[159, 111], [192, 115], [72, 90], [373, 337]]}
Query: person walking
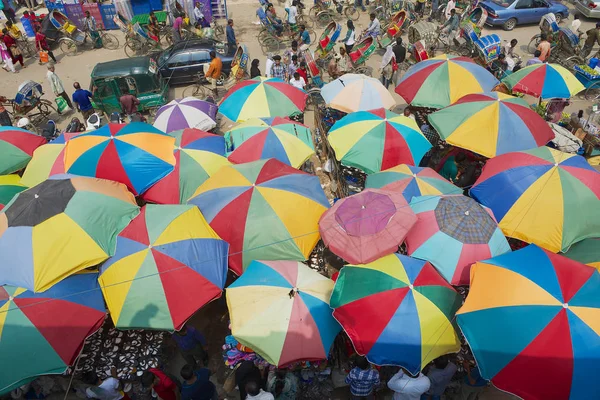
{"points": [[440, 374], [406, 387], [350, 38], [13, 50], [230, 33], [7, 58], [386, 67], [92, 29], [214, 72], [593, 37], [192, 346], [82, 98], [362, 380], [196, 384], [162, 385], [129, 104], [42, 45], [56, 85], [245, 373], [177, 25]]}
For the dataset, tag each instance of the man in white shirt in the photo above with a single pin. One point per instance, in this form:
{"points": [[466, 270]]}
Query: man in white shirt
{"points": [[108, 389], [198, 14], [292, 13], [407, 388], [575, 24], [256, 393], [374, 27], [449, 7], [268, 65], [297, 81], [57, 86]]}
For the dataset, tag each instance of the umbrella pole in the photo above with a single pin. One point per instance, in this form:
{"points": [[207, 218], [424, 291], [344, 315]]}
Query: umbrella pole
{"points": [[72, 376]]}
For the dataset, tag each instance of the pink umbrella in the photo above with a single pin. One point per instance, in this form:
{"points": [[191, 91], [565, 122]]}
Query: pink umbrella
{"points": [[366, 226]]}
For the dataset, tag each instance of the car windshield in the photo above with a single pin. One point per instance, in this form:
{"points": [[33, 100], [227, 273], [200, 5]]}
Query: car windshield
{"points": [[503, 3], [163, 57]]}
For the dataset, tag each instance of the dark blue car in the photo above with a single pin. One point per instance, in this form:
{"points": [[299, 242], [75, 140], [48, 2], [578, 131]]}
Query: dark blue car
{"points": [[509, 13]]}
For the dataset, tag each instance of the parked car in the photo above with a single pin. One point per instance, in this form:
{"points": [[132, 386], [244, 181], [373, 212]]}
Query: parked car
{"points": [[589, 8], [509, 13], [184, 61]]}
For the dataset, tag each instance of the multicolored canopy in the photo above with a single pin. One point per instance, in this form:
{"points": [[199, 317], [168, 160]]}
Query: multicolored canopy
{"points": [[262, 97], [43, 333], [47, 160], [544, 80], [442, 80], [280, 309], [586, 252], [17, 146], [9, 186], [397, 311], [59, 227], [280, 138], [366, 226], [452, 232], [542, 196], [411, 182], [198, 156], [173, 263], [356, 92], [491, 124], [265, 210], [188, 112], [532, 311], [135, 154], [376, 140]]}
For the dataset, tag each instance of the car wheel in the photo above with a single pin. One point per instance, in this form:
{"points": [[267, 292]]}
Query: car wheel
{"points": [[558, 17], [510, 24]]}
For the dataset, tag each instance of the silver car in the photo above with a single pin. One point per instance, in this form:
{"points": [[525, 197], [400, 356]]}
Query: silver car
{"points": [[589, 8]]}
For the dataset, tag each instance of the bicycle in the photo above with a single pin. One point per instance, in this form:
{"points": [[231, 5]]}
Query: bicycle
{"points": [[71, 47], [202, 88]]}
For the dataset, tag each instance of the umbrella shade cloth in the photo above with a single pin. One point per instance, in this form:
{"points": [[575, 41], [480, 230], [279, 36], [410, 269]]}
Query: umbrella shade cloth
{"points": [[542, 196], [452, 232], [265, 210], [491, 124], [43, 333], [544, 80], [10, 185], [532, 311], [356, 92], [411, 181], [136, 154], [17, 146], [442, 80], [586, 252], [47, 160], [279, 138], [280, 309], [188, 112], [198, 156], [397, 311], [262, 97], [366, 226], [376, 140], [59, 227], [173, 263]]}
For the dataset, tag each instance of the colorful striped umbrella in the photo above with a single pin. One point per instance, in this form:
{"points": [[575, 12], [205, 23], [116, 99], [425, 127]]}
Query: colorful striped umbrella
{"points": [[586, 252], [452, 232], [397, 311], [43, 333], [366, 226], [442, 80], [47, 160], [173, 263], [59, 227], [188, 112], [9, 186], [411, 182], [262, 97], [376, 140], [356, 92], [17, 146], [258, 139], [542, 196], [533, 311], [265, 210], [136, 154], [491, 124], [544, 80], [280, 309], [198, 156]]}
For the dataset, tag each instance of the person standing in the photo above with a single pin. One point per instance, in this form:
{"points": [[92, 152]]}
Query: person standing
{"points": [[333, 68], [292, 11], [254, 70], [593, 37], [56, 85], [535, 59], [386, 67], [362, 379], [13, 50], [82, 98], [440, 374], [164, 386], [544, 47], [473, 384], [14, 31], [575, 24], [245, 373], [283, 384], [214, 72], [406, 387], [345, 64], [7, 58], [107, 389], [197, 385], [350, 38], [279, 70], [192, 346], [42, 44], [9, 12], [297, 81], [129, 104], [255, 392], [198, 14], [230, 33], [177, 25], [92, 28]]}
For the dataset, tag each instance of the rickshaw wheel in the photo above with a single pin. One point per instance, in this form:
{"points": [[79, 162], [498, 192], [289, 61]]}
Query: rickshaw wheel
{"points": [[263, 34], [195, 90], [363, 70], [110, 41], [574, 60], [269, 45], [303, 20], [352, 13], [464, 50], [133, 48], [324, 18], [533, 44], [593, 92], [46, 108], [68, 46], [314, 12], [313, 35]]}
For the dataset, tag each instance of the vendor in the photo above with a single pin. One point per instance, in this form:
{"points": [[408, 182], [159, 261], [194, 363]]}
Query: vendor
{"points": [[450, 168]]}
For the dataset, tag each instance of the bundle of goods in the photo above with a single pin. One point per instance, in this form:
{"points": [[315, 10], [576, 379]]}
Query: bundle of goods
{"points": [[423, 30], [234, 353]]}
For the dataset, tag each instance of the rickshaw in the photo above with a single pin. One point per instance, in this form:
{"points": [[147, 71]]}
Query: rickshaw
{"points": [[327, 40], [361, 52], [270, 41], [239, 64], [72, 37], [29, 104], [321, 12], [423, 30], [392, 29], [140, 43], [488, 48], [549, 26], [138, 76]]}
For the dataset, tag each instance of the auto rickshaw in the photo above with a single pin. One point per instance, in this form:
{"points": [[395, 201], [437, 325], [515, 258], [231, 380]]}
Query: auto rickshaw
{"points": [[138, 76]]}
